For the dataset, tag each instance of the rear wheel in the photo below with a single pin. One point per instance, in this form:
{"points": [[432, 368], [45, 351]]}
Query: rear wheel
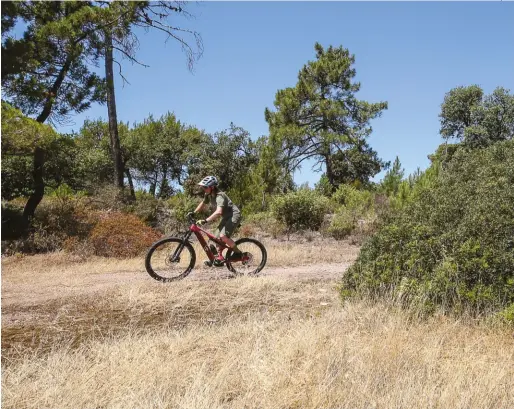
{"points": [[253, 260], [170, 259]]}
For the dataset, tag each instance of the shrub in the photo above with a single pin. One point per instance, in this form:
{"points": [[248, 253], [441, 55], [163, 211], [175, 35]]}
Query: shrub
{"points": [[109, 197], [356, 210], [12, 221], [323, 187], [171, 217], [265, 222], [452, 244], [59, 215], [300, 210], [78, 247], [357, 201], [146, 207], [507, 315], [121, 235], [65, 216], [246, 230], [342, 225]]}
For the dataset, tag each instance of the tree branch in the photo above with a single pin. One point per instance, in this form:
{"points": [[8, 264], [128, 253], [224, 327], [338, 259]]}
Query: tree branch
{"points": [[129, 56], [121, 75]]}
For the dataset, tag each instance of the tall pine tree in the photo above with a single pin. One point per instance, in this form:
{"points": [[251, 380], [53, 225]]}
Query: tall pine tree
{"points": [[321, 118]]}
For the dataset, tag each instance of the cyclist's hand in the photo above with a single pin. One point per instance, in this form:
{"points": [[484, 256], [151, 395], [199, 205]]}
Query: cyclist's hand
{"points": [[201, 222]]}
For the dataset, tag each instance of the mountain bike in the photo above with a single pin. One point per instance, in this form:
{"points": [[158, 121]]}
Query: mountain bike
{"points": [[173, 258]]}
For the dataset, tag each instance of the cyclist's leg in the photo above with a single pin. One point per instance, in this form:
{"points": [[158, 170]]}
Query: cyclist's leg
{"points": [[227, 230], [219, 247]]}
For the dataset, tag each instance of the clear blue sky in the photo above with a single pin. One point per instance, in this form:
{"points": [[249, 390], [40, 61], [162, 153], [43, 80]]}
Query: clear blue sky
{"points": [[409, 54]]}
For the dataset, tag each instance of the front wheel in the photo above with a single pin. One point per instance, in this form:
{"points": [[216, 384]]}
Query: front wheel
{"points": [[170, 259], [253, 260]]}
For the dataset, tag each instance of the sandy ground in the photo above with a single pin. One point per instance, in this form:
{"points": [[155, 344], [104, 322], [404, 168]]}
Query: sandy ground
{"points": [[36, 291]]}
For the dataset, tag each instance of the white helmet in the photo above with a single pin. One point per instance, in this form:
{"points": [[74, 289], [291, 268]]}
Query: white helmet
{"points": [[209, 181]]}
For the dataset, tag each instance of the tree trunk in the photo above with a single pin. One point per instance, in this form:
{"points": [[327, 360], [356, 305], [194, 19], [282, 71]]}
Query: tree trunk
{"points": [[47, 109], [111, 109], [330, 172], [164, 182], [131, 184], [151, 190], [39, 186], [39, 154]]}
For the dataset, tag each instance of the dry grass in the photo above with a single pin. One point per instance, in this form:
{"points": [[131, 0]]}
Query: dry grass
{"points": [[280, 253], [34, 279], [147, 306], [265, 342]]}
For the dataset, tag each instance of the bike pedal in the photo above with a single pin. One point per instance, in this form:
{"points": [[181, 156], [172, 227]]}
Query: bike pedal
{"points": [[208, 263]]}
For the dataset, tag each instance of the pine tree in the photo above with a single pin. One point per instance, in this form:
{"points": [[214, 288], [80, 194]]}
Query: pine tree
{"points": [[321, 118]]}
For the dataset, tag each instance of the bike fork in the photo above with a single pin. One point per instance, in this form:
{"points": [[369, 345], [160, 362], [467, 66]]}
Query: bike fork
{"points": [[176, 253]]}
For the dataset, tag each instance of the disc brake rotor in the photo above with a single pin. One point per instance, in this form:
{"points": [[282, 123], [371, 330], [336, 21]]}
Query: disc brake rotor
{"points": [[247, 258]]}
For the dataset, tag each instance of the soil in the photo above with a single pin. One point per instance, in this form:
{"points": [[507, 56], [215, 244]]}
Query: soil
{"points": [[32, 292]]}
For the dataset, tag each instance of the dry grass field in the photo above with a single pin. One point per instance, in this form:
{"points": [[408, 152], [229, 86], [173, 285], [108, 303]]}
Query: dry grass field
{"points": [[102, 334]]}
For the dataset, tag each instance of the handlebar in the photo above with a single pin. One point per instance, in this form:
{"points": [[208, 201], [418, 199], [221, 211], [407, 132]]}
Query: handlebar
{"points": [[190, 218]]}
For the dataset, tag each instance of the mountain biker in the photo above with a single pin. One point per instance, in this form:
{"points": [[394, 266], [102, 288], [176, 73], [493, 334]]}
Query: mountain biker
{"points": [[222, 207]]}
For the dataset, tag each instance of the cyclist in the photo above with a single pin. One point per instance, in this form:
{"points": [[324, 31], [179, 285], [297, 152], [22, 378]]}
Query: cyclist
{"points": [[222, 207]]}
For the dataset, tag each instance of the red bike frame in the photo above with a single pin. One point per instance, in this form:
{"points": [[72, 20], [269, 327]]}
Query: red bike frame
{"points": [[198, 233], [194, 228]]}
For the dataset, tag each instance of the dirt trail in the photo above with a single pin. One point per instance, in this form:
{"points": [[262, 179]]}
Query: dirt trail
{"points": [[36, 291]]}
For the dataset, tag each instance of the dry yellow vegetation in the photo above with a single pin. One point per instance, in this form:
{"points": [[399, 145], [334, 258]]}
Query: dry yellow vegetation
{"points": [[277, 341]]}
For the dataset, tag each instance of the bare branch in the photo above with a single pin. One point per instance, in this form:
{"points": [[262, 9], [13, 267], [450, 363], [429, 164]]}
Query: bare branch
{"points": [[121, 75], [129, 56], [147, 21]]}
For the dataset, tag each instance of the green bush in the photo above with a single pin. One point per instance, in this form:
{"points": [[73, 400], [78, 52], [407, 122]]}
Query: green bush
{"points": [[171, 217], [342, 225], [355, 207], [357, 201], [265, 222], [452, 244], [66, 216], [60, 215], [145, 207], [506, 316], [300, 210], [12, 220], [323, 187]]}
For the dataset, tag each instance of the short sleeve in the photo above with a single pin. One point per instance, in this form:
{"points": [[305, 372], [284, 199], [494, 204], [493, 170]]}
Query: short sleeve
{"points": [[220, 201]]}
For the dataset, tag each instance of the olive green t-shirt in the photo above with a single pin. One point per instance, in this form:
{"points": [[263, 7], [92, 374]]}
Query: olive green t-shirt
{"points": [[220, 199]]}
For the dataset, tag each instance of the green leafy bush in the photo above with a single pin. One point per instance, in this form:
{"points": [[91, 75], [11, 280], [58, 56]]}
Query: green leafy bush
{"points": [[452, 243], [354, 200], [265, 222], [300, 210], [324, 187], [60, 215], [506, 316], [342, 225], [171, 217], [354, 208], [12, 220], [146, 207]]}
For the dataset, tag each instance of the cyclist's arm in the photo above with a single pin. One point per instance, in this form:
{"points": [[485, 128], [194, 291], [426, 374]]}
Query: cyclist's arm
{"points": [[200, 207], [216, 215]]}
